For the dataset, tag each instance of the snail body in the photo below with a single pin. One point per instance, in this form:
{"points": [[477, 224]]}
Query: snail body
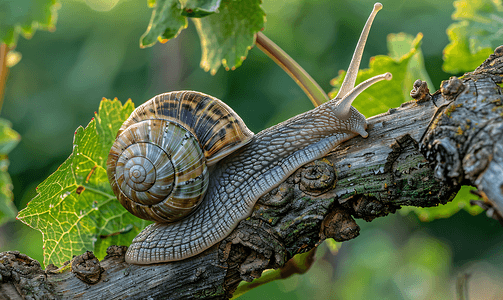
{"points": [[195, 206]]}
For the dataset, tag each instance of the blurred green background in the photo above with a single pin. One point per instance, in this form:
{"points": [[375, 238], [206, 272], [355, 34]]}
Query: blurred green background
{"points": [[95, 53]]}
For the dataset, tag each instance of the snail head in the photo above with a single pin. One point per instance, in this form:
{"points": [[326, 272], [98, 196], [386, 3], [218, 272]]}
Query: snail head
{"points": [[341, 104]]}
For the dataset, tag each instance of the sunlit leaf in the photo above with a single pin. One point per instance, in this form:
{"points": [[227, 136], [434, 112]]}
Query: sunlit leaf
{"points": [[227, 36], [13, 57], [475, 37], [200, 8], [8, 140], [102, 5], [25, 16], [405, 62], [226, 28], [75, 208], [169, 18], [399, 46], [333, 246], [166, 22]]}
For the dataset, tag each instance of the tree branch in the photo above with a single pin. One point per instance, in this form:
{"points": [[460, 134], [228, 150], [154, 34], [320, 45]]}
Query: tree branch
{"points": [[418, 154]]}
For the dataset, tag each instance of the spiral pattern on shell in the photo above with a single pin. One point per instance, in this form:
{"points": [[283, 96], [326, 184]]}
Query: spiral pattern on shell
{"points": [[158, 164]]}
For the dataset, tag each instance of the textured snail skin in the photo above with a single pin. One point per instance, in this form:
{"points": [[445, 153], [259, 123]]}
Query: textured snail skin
{"points": [[240, 179]]}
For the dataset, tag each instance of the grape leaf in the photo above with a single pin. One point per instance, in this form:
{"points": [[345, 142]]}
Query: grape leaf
{"points": [[405, 62], [227, 36], [473, 39], [166, 22], [169, 18], [461, 201], [8, 140], [25, 16], [227, 30], [199, 8], [102, 5], [75, 208]]}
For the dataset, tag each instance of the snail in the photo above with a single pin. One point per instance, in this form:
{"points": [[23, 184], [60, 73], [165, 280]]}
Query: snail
{"points": [[192, 166]]}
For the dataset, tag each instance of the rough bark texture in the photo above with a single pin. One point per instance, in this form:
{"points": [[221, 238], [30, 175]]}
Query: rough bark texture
{"points": [[418, 154]]}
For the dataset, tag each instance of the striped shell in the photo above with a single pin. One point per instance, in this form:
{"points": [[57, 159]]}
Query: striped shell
{"points": [[158, 164]]}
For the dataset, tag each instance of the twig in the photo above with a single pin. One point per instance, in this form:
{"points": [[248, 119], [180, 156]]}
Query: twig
{"points": [[462, 286], [4, 71]]}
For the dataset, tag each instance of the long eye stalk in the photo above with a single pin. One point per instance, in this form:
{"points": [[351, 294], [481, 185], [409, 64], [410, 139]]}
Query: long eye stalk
{"points": [[350, 79], [348, 91]]}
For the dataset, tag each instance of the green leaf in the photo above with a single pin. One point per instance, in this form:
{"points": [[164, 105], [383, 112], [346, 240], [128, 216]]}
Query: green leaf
{"points": [[199, 8], [333, 246], [461, 201], [406, 64], [227, 30], [75, 208], [25, 16], [227, 36], [8, 137], [166, 22], [8, 140], [473, 39]]}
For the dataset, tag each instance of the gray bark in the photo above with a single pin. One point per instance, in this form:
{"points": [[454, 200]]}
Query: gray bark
{"points": [[418, 154]]}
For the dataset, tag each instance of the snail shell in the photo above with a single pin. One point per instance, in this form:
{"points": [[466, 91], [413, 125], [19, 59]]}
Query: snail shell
{"points": [[158, 165]]}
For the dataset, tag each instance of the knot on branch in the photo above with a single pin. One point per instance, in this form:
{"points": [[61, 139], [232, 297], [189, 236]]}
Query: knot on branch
{"points": [[452, 87], [477, 159], [339, 225], [25, 274], [493, 66], [14, 263], [251, 248], [116, 252], [420, 91], [280, 196], [463, 140], [498, 52], [87, 268], [369, 208], [447, 158], [317, 177]]}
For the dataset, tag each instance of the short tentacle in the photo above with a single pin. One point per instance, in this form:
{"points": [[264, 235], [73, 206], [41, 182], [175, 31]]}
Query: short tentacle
{"points": [[342, 109]]}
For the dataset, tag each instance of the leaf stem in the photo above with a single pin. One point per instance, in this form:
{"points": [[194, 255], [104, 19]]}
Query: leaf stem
{"points": [[290, 66], [4, 70]]}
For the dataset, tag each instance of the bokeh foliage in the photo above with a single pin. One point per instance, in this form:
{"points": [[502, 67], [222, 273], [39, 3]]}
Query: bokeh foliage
{"points": [[25, 17], [93, 54], [475, 36], [8, 140]]}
